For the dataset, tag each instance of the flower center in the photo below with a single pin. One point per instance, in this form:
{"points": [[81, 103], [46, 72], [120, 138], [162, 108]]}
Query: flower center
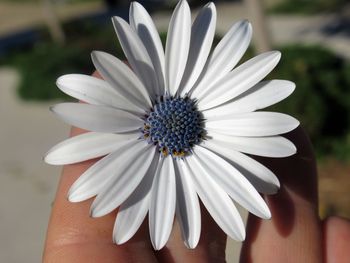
{"points": [[175, 125]]}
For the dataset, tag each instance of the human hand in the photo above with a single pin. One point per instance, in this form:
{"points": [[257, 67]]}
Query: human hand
{"points": [[294, 234]]}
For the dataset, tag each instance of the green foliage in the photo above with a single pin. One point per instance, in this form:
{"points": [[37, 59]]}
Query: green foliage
{"points": [[40, 66], [308, 6]]}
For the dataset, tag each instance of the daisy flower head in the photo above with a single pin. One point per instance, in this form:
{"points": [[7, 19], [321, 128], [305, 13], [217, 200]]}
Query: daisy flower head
{"points": [[176, 127]]}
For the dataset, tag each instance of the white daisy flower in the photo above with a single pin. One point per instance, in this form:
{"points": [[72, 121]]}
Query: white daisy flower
{"points": [[175, 127]]}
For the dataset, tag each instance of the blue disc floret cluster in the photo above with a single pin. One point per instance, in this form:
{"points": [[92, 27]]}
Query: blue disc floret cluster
{"points": [[175, 125]]}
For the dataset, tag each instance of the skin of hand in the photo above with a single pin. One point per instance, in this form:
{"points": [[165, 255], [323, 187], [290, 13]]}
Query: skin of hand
{"points": [[294, 234]]}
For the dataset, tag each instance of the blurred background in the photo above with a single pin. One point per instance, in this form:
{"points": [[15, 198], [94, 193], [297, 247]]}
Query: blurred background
{"points": [[43, 39]]}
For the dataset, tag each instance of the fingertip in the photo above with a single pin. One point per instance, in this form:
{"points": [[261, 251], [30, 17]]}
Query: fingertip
{"points": [[336, 239]]}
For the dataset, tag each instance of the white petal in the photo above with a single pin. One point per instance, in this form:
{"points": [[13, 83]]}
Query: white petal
{"points": [[125, 179], [163, 200], [260, 96], [136, 54], [202, 35], [142, 23], [86, 146], [254, 124], [97, 118], [216, 201], [94, 91], [239, 80], [275, 146], [224, 57], [187, 206], [121, 78], [134, 210], [232, 182], [94, 179], [177, 46], [258, 175]]}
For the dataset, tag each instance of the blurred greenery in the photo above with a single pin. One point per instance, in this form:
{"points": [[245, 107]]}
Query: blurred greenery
{"points": [[41, 64], [321, 100], [308, 6]]}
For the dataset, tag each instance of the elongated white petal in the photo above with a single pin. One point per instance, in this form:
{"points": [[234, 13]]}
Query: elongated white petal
{"points": [[239, 80], [125, 179], [134, 210], [141, 22], [136, 54], [94, 179], [216, 201], [260, 96], [97, 118], [232, 182], [258, 175], [94, 91], [121, 78], [254, 124], [177, 46], [274, 146], [224, 57], [163, 200], [86, 146], [202, 35], [187, 206]]}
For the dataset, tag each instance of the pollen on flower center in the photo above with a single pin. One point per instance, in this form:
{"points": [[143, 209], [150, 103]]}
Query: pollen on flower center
{"points": [[175, 125]]}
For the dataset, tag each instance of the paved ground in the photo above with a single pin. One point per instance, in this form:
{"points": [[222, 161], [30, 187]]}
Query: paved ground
{"points": [[27, 130], [27, 185], [18, 16]]}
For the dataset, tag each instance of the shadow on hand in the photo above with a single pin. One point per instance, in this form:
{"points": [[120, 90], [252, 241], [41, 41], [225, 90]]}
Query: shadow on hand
{"points": [[298, 178]]}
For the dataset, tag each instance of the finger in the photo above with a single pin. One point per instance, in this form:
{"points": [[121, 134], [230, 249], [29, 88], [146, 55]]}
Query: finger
{"points": [[73, 236], [294, 230], [211, 246], [336, 240]]}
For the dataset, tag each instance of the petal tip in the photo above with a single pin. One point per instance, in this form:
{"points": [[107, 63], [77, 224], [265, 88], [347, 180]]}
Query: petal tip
{"points": [[241, 235], [60, 80], [183, 4], [291, 85], [116, 20], [158, 246], [94, 55], [134, 5], [93, 212], [245, 22], [210, 5], [157, 242], [273, 55], [118, 240], [266, 214], [191, 244], [294, 149], [47, 158], [295, 124], [277, 185], [276, 54], [73, 197]]}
